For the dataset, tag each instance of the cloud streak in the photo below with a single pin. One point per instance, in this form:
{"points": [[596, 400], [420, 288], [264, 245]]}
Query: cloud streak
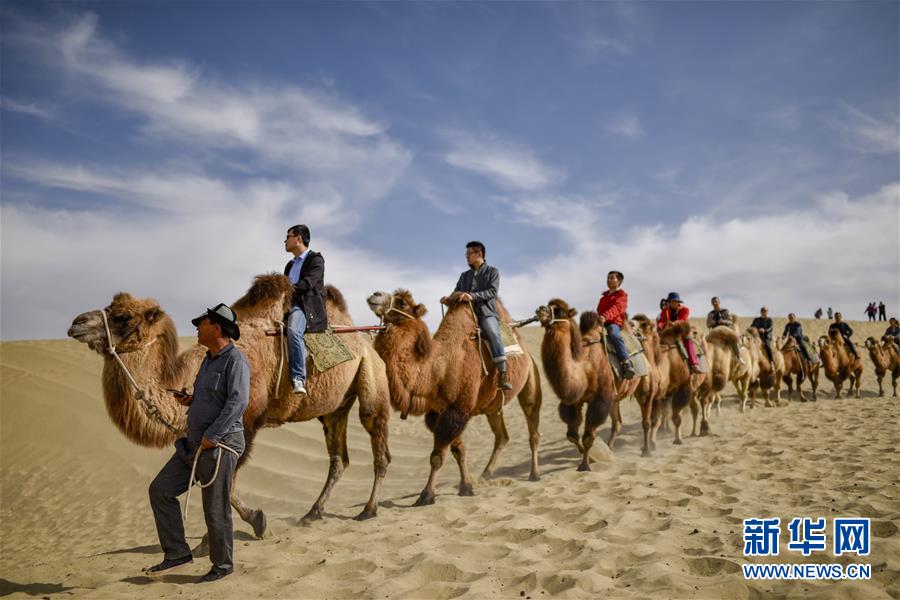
{"points": [[509, 165]]}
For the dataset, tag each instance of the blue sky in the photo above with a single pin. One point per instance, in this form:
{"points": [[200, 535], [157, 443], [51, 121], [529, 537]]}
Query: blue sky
{"points": [[748, 150]]}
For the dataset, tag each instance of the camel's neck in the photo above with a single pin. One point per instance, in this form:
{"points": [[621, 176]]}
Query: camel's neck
{"points": [[408, 352], [565, 373], [154, 368]]}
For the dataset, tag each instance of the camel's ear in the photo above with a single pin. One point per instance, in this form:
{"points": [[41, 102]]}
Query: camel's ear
{"points": [[420, 310], [152, 315], [572, 313]]}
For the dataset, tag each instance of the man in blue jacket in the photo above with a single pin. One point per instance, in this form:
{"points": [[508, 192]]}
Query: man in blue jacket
{"points": [[215, 429], [480, 285]]}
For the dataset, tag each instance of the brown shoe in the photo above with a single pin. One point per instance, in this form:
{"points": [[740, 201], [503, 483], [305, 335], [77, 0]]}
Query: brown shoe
{"points": [[503, 383]]}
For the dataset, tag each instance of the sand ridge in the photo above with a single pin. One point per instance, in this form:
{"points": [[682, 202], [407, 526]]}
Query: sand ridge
{"points": [[76, 520]]}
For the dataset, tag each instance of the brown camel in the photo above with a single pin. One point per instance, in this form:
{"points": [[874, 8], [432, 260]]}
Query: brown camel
{"points": [[676, 382], [885, 358], [839, 364], [798, 368], [724, 366], [579, 371], [145, 338], [443, 378], [652, 389], [770, 375]]}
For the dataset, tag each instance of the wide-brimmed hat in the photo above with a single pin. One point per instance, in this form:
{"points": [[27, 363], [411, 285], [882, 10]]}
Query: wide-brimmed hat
{"points": [[673, 296], [225, 317]]}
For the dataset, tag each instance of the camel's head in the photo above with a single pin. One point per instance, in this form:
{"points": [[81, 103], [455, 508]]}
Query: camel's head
{"points": [[133, 323], [644, 325], [871, 343], [396, 307], [555, 311]]}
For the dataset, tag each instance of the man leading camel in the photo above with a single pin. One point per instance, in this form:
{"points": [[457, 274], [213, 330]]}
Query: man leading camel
{"points": [[215, 430], [763, 324], [845, 332], [307, 272], [480, 285], [611, 309]]}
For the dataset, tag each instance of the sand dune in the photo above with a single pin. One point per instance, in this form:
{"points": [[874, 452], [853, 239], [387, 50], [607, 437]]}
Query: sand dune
{"points": [[76, 519]]}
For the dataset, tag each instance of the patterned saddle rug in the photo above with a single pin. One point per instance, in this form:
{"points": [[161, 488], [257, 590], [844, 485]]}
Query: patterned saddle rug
{"points": [[327, 350]]}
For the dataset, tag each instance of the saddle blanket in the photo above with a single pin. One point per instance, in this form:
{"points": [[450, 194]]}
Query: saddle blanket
{"points": [[635, 353], [327, 350]]}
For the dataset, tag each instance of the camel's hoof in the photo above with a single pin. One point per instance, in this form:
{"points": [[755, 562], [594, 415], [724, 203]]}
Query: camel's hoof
{"points": [[466, 491], [584, 467], [652, 446], [258, 522], [425, 499], [802, 399], [311, 516], [534, 477], [366, 515], [202, 549], [645, 453], [487, 474], [677, 442], [704, 432]]}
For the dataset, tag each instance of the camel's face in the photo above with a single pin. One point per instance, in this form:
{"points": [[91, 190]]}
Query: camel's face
{"points": [[396, 307], [555, 311], [128, 319]]}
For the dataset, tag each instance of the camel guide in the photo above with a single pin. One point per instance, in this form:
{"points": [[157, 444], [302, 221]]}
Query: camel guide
{"points": [[674, 311], [307, 272], [719, 316], [216, 431], [611, 309], [480, 286]]}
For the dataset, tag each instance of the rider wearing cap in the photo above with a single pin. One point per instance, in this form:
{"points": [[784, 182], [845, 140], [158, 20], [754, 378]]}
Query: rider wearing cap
{"points": [[675, 311]]}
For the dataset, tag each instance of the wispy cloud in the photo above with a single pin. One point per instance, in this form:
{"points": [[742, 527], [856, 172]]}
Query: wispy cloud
{"points": [[506, 163], [872, 134], [27, 108], [627, 125]]}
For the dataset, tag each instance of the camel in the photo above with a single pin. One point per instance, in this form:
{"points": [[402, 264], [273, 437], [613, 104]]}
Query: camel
{"points": [[839, 364], [724, 366], [795, 366], [770, 376], [676, 382], [145, 338], [885, 358], [579, 371], [443, 378]]}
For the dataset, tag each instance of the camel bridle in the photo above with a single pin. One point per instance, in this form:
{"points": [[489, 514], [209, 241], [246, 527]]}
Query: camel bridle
{"points": [[149, 407], [392, 308]]}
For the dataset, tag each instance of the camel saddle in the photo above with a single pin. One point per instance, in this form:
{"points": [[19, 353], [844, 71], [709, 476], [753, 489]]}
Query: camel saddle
{"points": [[510, 344], [326, 349], [635, 354]]}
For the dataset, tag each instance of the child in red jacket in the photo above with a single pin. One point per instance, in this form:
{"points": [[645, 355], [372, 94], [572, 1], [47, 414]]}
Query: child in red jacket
{"points": [[611, 309]]}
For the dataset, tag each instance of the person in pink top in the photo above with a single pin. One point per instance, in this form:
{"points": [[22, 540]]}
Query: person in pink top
{"points": [[676, 311]]}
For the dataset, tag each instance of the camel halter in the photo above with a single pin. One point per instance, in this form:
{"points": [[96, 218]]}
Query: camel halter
{"points": [[149, 407], [392, 308], [192, 481]]}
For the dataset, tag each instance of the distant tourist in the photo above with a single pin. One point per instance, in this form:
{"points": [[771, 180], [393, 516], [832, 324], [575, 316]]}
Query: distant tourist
{"points": [[830, 313], [818, 313], [871, 311], [882, 311]]}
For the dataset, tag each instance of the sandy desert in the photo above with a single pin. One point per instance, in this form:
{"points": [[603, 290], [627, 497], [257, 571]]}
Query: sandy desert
{"points": [[76, 522]]}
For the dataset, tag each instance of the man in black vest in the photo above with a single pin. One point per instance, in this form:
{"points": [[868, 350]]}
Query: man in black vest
{"points": [[845, 332], [763, 324], [480, 285], [307, 272]]}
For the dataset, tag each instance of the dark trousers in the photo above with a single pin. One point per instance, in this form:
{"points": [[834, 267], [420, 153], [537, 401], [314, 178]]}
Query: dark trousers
{"points": [[172, 481]]}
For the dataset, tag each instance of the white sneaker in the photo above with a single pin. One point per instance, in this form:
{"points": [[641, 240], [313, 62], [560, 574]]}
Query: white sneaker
{"points": [[299, 388]]}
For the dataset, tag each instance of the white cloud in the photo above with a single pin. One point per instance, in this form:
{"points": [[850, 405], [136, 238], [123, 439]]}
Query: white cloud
{"points": [[508, 164], [627, 125], [29, 108]]}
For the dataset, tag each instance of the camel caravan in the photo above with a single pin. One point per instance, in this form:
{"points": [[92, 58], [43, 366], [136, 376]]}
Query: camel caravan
{"points": [[307, 360]]}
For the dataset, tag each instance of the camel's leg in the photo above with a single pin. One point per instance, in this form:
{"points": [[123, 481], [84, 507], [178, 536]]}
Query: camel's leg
{"points": [[814, 384], [571, 416], [696, 408], [894, 377], [530, 399], [458, 449], [646, 423], [837, 388], [615, 425], [857, 380], [655, 421], [501, 438], [741, 386], [718, 401], [447, 426], [680, 399], [335, 426], [376, 424], [880, 386], [256, 518], [597, 411], [704, 423]]}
